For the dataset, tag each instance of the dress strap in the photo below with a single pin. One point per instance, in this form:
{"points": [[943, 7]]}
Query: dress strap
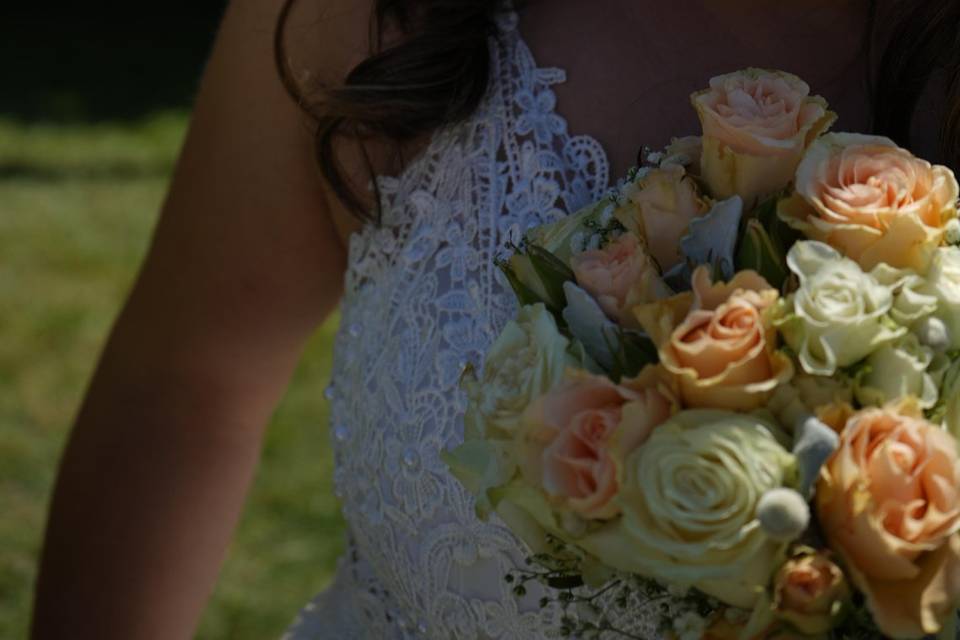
{"points": [[507, 18]]}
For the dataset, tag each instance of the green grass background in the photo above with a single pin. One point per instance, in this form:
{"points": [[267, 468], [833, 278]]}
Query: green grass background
{"points": [[77, 205]]}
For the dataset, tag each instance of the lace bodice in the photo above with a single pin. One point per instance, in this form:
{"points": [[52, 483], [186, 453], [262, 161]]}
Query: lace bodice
{"points": [[424, 299]]}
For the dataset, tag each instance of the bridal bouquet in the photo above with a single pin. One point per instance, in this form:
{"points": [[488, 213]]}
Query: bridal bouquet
{"points": [[735, 382]]}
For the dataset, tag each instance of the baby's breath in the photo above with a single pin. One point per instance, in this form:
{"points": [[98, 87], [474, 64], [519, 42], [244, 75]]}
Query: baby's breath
{"points": [[585, 612]]}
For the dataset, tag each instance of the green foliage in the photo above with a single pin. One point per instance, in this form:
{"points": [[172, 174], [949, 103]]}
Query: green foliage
{"points": [[634, 352], [553, 273], [764, 244], [758, 252], [947, 390], [77, 204], [525, 295]]}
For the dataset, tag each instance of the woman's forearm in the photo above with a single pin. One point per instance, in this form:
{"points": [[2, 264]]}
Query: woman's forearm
{"points": [[148, 494]]}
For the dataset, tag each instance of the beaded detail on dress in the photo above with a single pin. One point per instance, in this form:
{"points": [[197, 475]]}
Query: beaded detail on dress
{"points": [[423, 299]]}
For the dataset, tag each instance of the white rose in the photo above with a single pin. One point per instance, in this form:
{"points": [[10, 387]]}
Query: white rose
{"points": [[897, 370], [526, 360], [943, 282], [911, 302], [839, 315]]}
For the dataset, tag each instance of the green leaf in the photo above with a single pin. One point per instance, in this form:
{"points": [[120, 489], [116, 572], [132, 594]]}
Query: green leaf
{"points": [[635, 351], [762, 253], [780, 232], [553, 273], [948, 389], [525, 295]]}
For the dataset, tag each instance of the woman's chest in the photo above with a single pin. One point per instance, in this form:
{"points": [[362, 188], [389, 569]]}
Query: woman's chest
{"points": [[631, 66]]}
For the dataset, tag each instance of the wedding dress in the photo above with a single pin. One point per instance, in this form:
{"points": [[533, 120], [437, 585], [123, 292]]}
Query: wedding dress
{"points": [[423, 299]]}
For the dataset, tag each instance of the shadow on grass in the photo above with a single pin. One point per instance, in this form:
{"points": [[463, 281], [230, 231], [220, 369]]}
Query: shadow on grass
{"points": [[120, 171]]}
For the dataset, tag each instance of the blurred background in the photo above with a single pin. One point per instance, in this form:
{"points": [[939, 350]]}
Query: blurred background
{"points": [[94, 102]]}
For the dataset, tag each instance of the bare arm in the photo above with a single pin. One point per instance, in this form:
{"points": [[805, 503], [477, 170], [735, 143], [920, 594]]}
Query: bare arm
{"points": [[244, 264]]}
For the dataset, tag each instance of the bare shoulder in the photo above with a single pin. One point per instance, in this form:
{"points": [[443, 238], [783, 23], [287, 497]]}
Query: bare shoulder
{"points": [[246, 259]]}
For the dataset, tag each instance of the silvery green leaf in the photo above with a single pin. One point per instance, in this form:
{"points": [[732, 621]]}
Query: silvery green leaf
{"points": [[813, 443], [591, 326], [710, 240]]}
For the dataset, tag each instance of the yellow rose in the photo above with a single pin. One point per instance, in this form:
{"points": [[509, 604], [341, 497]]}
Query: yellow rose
{"points": [[888, 501], [872, 201], [659, 205], [717, 342], [756, 126]]}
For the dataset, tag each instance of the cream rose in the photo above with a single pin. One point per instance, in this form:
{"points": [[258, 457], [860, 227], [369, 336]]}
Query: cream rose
{"points": [[689, 500], [527, 360], [717, 342], [686, 152], [810, 591], [619, 276], [575, 435], [943, 283], [888, 501], [659, 205], [756, 126], [898, 370], [872, 201], [839, 315], [807, 395]]}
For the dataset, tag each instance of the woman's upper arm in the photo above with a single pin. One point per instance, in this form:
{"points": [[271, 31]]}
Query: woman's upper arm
{"points": [[245, 260]]}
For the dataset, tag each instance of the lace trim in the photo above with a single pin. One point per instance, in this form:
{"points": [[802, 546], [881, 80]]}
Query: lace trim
{"points": [[423, 299]]}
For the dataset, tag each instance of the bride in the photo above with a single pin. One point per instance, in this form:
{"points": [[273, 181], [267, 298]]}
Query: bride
{"points": [[478, 122]]}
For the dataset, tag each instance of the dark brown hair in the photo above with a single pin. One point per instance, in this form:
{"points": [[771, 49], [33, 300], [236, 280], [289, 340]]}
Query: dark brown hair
{"points": [[437, 74], [924, 44]]}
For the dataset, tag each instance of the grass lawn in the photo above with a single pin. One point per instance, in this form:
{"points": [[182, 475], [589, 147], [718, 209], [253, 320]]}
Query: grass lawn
{"points": [[77, 204]]}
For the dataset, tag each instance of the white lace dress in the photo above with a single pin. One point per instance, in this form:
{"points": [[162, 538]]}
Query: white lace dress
{"points": [[423, 299]]}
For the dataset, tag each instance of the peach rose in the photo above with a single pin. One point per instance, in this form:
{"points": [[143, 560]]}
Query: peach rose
{"points": [[810, 591], [889, 503], [718, 343], [577, 434], [872, 201], [756, 126], [659, 205], [619, 276]]}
